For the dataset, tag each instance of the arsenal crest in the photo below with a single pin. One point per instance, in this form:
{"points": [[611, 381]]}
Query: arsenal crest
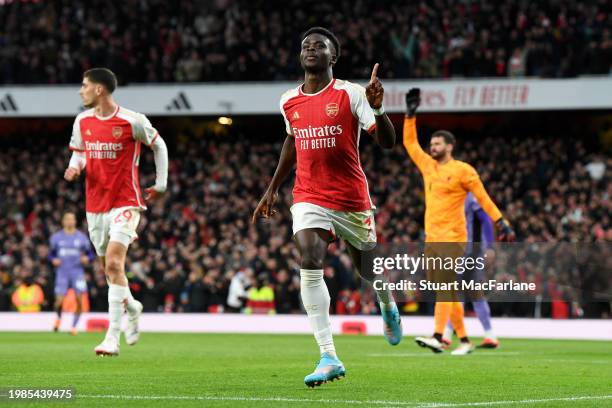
{"points": [[117, 132], [331, 109]]}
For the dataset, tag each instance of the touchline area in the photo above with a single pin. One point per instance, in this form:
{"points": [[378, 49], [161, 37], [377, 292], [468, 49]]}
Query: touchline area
{"points": [[574, 329]]}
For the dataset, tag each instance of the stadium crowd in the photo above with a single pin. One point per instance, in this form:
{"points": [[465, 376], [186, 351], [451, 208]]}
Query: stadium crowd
{"points": [[198, 251], [239, 40]]}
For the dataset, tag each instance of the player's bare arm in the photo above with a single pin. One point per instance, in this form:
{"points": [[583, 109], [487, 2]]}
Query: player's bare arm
{"points": [[385, 133], [285, 165]]}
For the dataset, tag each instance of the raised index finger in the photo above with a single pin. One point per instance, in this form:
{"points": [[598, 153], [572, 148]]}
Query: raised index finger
{"points": [[374, 73]]}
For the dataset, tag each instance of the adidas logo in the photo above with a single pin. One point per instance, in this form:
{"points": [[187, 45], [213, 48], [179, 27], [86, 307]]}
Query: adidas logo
{"points": [[295, 115], [179, 103], [7, 104]]}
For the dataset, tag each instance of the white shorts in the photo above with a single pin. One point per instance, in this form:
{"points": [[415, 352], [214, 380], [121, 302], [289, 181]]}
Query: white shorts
{"points": [[118, 225], [356, 227]]}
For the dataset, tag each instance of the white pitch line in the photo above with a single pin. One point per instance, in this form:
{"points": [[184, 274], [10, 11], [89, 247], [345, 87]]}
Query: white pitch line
{"points": [[349, 402], [562, 360], [478, 354], [247, 399], [509, 402]]}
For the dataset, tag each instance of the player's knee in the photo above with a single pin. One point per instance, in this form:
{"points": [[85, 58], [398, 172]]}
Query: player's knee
{"points": [[114, 267], [309, 261]]}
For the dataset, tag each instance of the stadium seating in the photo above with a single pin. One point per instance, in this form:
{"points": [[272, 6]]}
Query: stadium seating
{"points": [[199, 235], [243, 40]]}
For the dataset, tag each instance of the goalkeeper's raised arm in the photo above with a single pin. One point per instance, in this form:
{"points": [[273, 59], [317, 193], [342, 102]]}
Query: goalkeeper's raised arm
{"points": [[410, 138]]}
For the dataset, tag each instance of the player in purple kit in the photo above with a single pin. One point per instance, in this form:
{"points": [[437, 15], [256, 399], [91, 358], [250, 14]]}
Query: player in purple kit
{"points": [[480, 229], [70, 250]]}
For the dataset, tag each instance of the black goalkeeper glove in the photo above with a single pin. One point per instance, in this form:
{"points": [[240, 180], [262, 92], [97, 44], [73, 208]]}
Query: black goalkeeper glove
{"points": [[413, 100], [505, 233]]}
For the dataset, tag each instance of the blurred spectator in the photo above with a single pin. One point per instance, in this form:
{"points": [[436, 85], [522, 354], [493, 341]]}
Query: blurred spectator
{"points": [[239, 285], [516, 64], [151, 295], [260, 298], [596, 168], [245, 40], [286, 293], [198, 251], [28, 296]]}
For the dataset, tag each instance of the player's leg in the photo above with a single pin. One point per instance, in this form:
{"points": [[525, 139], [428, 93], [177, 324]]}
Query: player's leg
{"points": [[312, 231], [457, 319], [122, 231], [77, 313], [111, 233], [457, 251], [80, 287], [442, 308], [447, 337], [133, 307], [57, 306], [483, 311], [312, 245], [358, 230], [117, 295], [363, 262], [60, 290], [447, 301]]}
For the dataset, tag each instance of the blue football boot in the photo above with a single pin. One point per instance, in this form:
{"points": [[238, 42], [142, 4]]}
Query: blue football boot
{"points": [[328, 369], [392, 323]]}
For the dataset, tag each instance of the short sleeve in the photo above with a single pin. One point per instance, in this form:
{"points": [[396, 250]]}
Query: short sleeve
{"points": [[144, 131], [361, 108], [287, 124], [76, 141]]}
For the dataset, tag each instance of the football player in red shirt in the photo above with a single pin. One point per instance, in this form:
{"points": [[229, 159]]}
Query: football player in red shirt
{"points": [[324, 117], [106, 141]]}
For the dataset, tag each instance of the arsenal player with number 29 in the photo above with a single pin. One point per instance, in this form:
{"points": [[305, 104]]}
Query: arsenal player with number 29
{"points": [[324, 117], [106, 141]]}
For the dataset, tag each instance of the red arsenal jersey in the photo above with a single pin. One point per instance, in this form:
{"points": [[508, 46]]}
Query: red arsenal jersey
{"points": [[112, 150], [326, 126]]}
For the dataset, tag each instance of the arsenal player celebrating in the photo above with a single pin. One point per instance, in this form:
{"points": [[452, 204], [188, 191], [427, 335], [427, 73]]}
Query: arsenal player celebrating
{"points": [[324, 117], [106, 141]]}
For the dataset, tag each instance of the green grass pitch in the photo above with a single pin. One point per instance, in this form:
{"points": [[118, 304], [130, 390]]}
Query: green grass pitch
{"points": [[231, 370]]}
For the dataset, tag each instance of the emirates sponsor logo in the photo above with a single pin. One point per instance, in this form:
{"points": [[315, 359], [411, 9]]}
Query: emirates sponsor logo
{"points": [[101, 150], [317, 131], [318, 137], [332, 109]]}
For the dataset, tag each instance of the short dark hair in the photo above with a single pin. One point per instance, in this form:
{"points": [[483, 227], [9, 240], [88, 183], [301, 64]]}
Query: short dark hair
{"points": [[324, 32], [449, 138], [102, 76]]}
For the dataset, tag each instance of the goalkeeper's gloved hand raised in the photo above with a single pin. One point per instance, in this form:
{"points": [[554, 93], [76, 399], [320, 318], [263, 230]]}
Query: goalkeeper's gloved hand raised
{"points": [[505, 233], [413, 100]]}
